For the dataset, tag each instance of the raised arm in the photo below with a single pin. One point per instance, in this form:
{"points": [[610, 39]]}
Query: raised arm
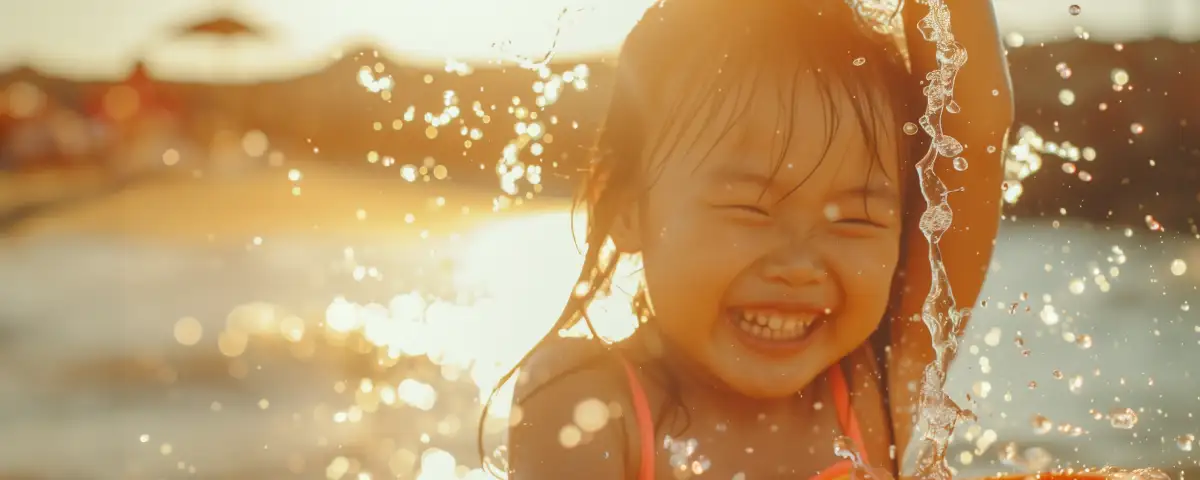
{"points": [[984, 92]]}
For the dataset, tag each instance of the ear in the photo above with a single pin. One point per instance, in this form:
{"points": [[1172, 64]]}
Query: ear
{"points": [[626, 231]]}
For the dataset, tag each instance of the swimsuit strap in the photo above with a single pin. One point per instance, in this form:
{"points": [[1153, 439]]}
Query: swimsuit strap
{"points": [[645, 423], [841, 402], [845, 410]]}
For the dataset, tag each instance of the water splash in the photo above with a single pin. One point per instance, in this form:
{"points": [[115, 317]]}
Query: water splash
{"points": [[844, 447], [1025, 158], [1123, 418], [535, 65], [938, 413], [684, 460], [511, 167], [884, 17], [1185, 442]]}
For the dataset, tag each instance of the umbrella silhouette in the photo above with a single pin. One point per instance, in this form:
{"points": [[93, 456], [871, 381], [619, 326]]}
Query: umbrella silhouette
{"points": [[222, 25], [225, 29]]}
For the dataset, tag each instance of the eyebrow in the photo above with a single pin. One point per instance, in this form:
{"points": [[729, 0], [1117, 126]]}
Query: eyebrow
{"points": [[736, 176]]}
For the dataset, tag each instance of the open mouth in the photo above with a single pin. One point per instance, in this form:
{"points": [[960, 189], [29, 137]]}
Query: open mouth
{"points": [[773, 328]]}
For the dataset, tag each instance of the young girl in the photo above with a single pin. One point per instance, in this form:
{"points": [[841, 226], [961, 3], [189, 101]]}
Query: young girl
{"points": [[753, 155]]}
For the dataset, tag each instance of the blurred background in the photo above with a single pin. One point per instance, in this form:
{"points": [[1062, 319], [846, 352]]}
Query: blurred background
{"points": [[251, 239]]}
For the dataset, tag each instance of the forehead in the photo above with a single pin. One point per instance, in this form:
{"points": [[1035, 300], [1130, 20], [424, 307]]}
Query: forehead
{"points": [[788, 129]]}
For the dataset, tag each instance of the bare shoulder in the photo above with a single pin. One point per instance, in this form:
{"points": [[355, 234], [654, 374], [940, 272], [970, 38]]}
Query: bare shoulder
{"points": [[565, 424]]}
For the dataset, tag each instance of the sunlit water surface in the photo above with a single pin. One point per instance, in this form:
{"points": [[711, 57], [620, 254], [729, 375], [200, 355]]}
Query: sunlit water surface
{"points": [[335, 357]]}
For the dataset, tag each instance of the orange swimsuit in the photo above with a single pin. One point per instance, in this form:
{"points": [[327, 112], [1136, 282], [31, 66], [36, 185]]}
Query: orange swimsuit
{"points": [[841, 401]]}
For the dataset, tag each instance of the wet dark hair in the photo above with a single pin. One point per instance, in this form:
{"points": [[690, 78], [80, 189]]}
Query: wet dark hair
{"points": [[720, 48]]}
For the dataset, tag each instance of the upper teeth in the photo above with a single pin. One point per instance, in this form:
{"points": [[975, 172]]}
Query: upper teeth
{"points": [[778, 321]]}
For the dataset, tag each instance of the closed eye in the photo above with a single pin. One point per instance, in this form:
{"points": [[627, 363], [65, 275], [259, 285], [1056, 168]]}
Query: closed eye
{"points": [[859, 227], [864, 222], [751, 209]]}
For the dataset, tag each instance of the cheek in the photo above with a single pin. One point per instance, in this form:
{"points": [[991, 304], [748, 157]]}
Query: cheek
{"points": [[866, 268], [690, 258]]}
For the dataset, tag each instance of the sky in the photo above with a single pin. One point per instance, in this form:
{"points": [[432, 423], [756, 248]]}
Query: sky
{"points": [[101, 39]]}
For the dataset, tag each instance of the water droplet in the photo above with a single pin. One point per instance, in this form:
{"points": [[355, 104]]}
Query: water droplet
{"points": [[1066, 97], [936, 220], [960, 164], [860, 61], [1063, 70], [948, 146], [1185, 442], [1075, 384], [832, 212], [1085, 176], [991, 149], [570, 436], [188, 331], [498, 460], [1074, 10], [1153, 224], [1178, 267], [1123, 418], [843, 447], [1119, 77], [1077, 286], [1069, 167], [1037, 458], [1136, 128], [910, 128], [1041, 425], [591, 415], [1009, 452]]}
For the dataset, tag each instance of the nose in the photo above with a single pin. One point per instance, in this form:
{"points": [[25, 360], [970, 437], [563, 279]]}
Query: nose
{"points": [[796, 269]]}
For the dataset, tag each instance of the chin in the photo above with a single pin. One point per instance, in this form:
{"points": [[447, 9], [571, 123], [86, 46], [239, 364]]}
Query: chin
{"points": [[771, 370], [765, 379]]}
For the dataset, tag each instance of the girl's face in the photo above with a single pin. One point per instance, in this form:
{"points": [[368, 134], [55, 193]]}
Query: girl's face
{"points": [[767, 266]]}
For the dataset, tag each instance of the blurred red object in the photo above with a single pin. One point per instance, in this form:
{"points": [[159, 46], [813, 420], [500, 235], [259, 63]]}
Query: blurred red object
{"points": [[139, 95]]}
